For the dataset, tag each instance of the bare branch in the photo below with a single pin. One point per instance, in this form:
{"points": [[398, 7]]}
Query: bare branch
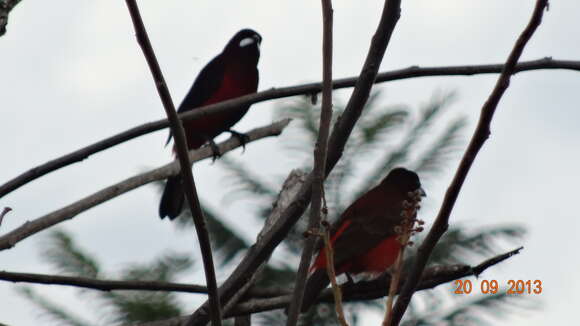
{"points": [[291, 186], [187, 175], [480, 135], [274, 93], [29, 228], [102, 285], [128, 285], [5, 7], [267, 298], [264, 247], [407, 228], [318, 173], [378, 288], [4, 212], [336, 292]]}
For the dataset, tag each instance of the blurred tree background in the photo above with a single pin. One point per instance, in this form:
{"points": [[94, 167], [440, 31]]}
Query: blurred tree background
{"points": [[424, 140]]}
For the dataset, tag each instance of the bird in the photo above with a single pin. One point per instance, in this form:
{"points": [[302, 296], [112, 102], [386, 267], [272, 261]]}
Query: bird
{"points": [[232, 73], [364, 238]]}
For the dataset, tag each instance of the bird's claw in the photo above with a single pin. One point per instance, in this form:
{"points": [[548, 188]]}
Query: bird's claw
{"points": [[243, 138], [349, 279], [214, 150]]}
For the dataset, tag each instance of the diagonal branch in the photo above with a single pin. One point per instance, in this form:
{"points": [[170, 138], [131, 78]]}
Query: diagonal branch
{"points": [[5, 211], [318, 172], [375, 289], [264, 299], [274, 93], [39, 224], [5, 7], [379, 288], [480, 135], [263, 248], [181, 150]]}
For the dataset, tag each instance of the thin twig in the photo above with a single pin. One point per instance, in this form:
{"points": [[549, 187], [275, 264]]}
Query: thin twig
{"points": [[29, 228], [264, 247], [393, 287], [359, 291], [4, 212], [375, 289], [101, 285], [271, 94], [480, 135], [181, 150], [336, 292], [5, 7], [407, 228], [318, 172]]}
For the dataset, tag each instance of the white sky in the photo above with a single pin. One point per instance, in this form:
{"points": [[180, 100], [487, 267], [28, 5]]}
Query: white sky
{"points": [[71, 73]]}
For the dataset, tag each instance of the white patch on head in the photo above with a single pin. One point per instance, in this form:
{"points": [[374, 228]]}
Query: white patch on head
{"points": [[247, 41]]}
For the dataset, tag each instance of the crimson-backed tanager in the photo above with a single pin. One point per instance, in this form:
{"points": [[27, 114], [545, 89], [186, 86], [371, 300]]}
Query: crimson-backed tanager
{"points": [[364, 238], [233, 73]]}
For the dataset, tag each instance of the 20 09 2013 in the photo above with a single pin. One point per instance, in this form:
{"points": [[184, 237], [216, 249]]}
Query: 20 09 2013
{"points": [[492, 287]]}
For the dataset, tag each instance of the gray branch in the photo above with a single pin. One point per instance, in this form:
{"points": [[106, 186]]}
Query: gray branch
{"points": [[39, 224], [274, 93], [480, 135]]}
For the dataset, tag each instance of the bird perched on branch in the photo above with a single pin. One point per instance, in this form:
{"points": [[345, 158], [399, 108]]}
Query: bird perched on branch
{"points": [[233, 73], [364, 238]]}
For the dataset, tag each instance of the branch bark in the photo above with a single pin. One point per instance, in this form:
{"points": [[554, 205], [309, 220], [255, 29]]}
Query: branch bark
{"points": [[266, 299], [379, 288], [370, 290], [259, 300], [6, 7], [5, 211], [29, 228], [187, 175], [318, 173], [480, 135], [274, 93], [264, 247]]}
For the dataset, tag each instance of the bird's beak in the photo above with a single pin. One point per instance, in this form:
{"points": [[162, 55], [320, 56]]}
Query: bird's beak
{"points": [[422, 192]]}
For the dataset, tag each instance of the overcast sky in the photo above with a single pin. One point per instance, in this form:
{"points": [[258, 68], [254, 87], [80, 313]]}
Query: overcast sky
{"points": [[71, 73]]}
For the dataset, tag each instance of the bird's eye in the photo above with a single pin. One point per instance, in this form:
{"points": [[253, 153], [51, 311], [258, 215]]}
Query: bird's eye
{"points": [[247, 41]]}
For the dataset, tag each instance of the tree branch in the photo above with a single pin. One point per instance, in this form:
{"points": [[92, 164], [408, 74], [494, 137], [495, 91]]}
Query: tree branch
{"points": [[259, 300], [101, 285], [128, 285], [39, 224], [375, 289], [318, 173], [5, 211], [181, 150], [274, 93], [480, 135], [5, 7], [264, 247]]}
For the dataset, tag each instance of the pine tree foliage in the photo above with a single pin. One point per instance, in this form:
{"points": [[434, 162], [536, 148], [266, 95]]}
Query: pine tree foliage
{"points": [[56, 314], [118, 307]]}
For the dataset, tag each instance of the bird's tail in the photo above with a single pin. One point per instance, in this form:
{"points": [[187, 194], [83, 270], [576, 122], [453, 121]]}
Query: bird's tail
{"points": [[172, 199], [317, 282]]}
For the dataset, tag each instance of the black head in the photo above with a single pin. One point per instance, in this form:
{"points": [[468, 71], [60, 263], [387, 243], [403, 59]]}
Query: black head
{"points": [[245, 43], [404, 179]]}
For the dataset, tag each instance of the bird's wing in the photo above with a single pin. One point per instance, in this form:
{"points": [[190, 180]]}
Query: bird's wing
{"points": [[372, 219], [205, 85]]}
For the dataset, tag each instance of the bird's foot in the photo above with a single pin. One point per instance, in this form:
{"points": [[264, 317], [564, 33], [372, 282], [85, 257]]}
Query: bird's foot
{"points": [[349, 279], [214, 150], [243, 138]]}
